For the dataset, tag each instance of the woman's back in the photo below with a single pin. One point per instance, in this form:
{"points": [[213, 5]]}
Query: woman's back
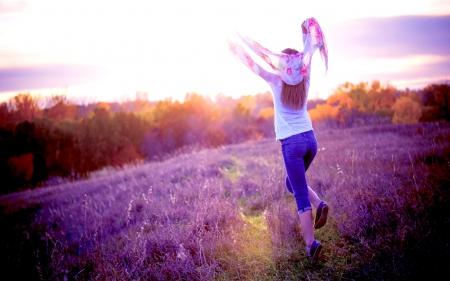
{"points": [[288, 121], [290, 83]]}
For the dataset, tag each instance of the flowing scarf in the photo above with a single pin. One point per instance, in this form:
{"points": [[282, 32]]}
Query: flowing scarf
{"points": [[290, 68]]}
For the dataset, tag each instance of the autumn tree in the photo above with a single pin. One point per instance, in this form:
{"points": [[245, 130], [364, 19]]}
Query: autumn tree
{"points": [[25, 153], [324, 111], [357, 104], [67, 156], [406, 111], [237, 125], [59, 109], [349, 96], [98, 139], [25, 107], [380, 98], [132, 130], [436, 101]]}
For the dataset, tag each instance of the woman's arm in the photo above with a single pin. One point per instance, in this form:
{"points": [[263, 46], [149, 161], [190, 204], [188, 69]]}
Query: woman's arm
{"points": [[304, 32], [269, 77], [314, 39], [247, 60]]}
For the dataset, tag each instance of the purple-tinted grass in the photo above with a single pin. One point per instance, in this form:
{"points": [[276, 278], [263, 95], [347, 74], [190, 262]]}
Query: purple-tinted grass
{"points": [[224, 213]]}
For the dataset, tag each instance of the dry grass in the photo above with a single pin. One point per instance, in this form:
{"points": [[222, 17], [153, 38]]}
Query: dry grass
{"points": [[224, 214]]}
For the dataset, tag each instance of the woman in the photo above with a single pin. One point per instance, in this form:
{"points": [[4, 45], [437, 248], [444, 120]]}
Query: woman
{"points": [[293, 126]]}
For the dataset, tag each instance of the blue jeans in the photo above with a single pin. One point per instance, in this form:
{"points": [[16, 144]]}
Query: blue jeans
{"points": [[298, 152]]}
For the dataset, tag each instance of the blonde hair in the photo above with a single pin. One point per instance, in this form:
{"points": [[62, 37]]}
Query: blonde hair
{"points": [[293, 96]]}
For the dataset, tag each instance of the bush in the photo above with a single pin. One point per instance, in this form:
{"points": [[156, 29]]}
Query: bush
{"points": [[406, 111]]}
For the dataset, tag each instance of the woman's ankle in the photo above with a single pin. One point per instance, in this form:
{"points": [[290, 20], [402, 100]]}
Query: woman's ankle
{"points": [[309, 243]]}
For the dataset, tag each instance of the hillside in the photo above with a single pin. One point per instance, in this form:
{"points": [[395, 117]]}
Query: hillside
{"points": [[224, 214]]}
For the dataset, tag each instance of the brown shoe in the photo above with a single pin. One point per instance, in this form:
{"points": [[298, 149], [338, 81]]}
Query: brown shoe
{"points": [[321, 215]]}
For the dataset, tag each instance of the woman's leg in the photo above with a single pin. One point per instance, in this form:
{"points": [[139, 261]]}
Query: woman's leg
{"points": [[307, 227], [296, 177], [313, 198], [297, 180], [298, 154], [309, 157], [321, 206], [294, 153]]}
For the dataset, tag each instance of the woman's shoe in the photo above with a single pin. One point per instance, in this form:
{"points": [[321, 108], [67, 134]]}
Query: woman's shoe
{"points": [[321, 215], [315, 249]]}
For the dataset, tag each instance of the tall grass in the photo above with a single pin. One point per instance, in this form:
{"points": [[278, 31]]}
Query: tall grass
{"points": [[224, 214]]}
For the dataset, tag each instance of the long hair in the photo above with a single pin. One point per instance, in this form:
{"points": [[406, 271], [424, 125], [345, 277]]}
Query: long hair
{"points": [[293, 96]]}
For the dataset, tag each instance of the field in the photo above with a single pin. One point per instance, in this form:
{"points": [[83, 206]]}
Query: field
{"points": [[225, 214]]}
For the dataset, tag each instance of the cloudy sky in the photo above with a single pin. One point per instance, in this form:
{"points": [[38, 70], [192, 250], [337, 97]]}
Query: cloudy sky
{"points": [[110, 49]]}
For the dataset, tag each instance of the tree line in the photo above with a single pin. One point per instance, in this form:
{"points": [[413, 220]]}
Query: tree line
{"points": [[42, 140], [359, 104], [53, 138]]}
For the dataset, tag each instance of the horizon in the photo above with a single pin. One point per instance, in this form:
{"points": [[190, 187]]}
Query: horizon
{"points": [[109, 51]]}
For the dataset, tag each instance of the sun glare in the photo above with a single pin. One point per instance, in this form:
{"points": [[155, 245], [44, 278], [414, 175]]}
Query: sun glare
{"points": [[169, 48]]}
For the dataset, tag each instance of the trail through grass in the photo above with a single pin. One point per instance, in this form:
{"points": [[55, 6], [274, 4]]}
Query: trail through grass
{"points": [[225, 214]]}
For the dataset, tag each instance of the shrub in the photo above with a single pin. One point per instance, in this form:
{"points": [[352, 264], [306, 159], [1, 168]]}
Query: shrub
{"points": [[406, 111]]}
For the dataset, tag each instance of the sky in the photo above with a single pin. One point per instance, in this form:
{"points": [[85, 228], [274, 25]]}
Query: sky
{"points": [[107, 50]]}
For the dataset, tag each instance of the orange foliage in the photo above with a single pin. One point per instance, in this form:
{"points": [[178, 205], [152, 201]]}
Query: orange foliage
{"points": [[349, 96], [324, 111], [380, 99], [362, 98], [124, 155], [266, 112], [104, 105], [71, 112], [216, 136], [26, 107], [196, 104], [248, 103], [406, 111], [58, 109]]}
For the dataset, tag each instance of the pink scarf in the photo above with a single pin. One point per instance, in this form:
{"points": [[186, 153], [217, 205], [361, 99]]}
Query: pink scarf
{"points": [[290, 68]]}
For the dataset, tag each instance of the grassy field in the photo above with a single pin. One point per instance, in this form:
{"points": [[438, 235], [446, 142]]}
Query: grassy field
{"points": [[225, 214]]}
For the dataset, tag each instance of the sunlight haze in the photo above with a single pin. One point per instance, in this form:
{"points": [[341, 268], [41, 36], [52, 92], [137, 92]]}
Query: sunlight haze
{"points": [[108, 50]]}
